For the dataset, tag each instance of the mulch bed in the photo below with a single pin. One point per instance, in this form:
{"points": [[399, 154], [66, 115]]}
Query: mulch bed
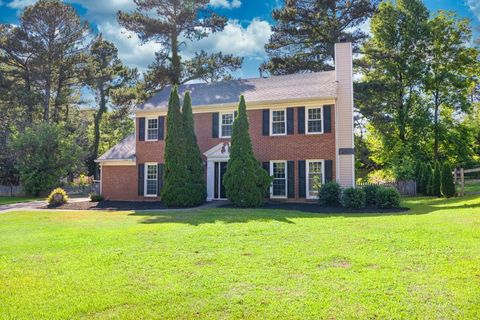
{"points": [[110, 205], [316, 208]]}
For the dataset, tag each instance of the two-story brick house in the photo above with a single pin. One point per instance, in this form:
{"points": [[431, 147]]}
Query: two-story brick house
{"points": [[301, 128]]}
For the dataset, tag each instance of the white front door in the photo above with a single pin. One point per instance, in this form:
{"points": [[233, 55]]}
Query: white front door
{"points": [[217, 158]]}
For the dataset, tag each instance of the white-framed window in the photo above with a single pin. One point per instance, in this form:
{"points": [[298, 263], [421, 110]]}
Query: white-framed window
{"points": [[314, 120], [315, 177], [151, 129], [151, 179], [278, 122], [226, 124], [278, 170]]}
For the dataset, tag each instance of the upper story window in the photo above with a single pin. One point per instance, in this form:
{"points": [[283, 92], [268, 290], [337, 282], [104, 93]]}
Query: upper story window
{"points": [[226, 124], [278, 121], [151, 181], [314, 120], [152, 129]]}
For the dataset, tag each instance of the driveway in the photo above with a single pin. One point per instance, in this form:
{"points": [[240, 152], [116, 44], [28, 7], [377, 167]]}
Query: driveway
{"points": [[32, 205]]}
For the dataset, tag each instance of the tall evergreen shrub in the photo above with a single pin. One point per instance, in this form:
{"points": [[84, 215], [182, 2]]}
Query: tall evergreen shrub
{"points": [[448, 186], [436, 180], [176, 191], [193, 156], [246, 182], [426, 179]]}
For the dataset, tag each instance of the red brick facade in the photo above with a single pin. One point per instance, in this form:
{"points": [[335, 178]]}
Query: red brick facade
{"points": [[121, 182]]}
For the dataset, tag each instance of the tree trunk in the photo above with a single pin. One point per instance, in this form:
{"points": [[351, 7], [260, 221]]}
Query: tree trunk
{"points": [[175, 60], [48, 88], [56, 104], [96, 131], [436, 128]]}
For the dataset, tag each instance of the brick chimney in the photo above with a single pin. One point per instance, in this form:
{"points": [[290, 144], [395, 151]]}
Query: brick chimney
{"points": [[344, 115]]}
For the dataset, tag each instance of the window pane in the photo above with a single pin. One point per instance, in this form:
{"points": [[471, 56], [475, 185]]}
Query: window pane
{"points": [[227, 124], [315, 120], [278, 122], [151, 188], [152, 129], [279, 179], [314, 177], [152, 172]]}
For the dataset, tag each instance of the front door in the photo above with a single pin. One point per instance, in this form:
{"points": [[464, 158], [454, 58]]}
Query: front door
{"points": [[219, 188]]}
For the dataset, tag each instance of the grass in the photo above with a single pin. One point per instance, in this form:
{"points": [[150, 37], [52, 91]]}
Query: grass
{"points": [[255, 264], [472, 188], [10, 200]]}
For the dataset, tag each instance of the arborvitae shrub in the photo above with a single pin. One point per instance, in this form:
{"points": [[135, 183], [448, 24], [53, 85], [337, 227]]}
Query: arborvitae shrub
{"points": [[176, 190], [387, 198], [353, 198], [426, 174], [193, 155], [246, 182], [370, 195], [329, 194], [448, 186], [436, 180]]}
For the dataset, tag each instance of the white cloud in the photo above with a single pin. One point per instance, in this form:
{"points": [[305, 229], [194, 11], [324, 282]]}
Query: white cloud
{"points": [[226, 4], [475, 7], [235, 39], [20, 4]]}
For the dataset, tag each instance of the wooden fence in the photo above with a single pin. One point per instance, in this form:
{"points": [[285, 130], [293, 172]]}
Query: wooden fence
{"points": [[83, 190], [406, 188], [459, 178]]}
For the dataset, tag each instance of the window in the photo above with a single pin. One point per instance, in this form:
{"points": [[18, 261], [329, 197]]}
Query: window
{"points": [[314, 120], [315, 177], [152, 129], [278, 170], [151, 179], [226, 124], [278, 122]]}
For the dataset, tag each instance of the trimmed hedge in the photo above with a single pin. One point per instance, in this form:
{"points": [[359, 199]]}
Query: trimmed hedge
{"points": [[371, 195], [353, 198], [329, 194], [387, 198], [96, 197]]}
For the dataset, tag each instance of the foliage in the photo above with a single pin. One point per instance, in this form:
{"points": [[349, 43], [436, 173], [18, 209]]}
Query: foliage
{"points": [[96, 197], [436, 180], [193, 155], [176, 179], [57, 197], [246, 182], [426, 178], [448, 186], [306, 31], [371, 194], [45, 154], [171, 23], [387, 198], [329, 194], [353, 198]]}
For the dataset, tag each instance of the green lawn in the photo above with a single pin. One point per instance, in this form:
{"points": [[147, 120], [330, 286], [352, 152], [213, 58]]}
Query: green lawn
{"points": [[10, 200], [227, 263], [472, 188]]}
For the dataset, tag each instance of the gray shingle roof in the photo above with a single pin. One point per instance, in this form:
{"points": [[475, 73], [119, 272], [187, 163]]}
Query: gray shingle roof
{"points": [[321, 85], [124, 150]]}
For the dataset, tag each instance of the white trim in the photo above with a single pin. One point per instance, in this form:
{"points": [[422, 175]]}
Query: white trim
{"points": [[286, 179], [306, 119], [219, 182], [145, 178], [271, 122], [220, 122], [307, 174], [118, 162], [101, 179], [146, 128]]}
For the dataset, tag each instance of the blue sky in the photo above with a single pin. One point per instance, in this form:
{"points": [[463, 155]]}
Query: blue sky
{"points": [[247, 31]]}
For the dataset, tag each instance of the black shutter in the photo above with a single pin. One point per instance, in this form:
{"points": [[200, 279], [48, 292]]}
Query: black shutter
{"points": [[301, 179], [266, 166], [161, 126], [215, 116], [291, 178], [290, 120], [266, 122], [141, 179], [141, 129], [327, 119], [328, 170], [160, 178], [301, 120]]}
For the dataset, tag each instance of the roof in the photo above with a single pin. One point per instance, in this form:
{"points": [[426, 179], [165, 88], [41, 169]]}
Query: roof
{"points": [[124, 150], [320, 85]]}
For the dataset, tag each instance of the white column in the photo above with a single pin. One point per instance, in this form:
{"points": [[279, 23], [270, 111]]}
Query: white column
{"points": [[210, 179]]}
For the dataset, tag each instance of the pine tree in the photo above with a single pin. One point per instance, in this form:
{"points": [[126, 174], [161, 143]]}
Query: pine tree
{"points": [[418, 175], [193, 155], [176, 181], [246, 182], [436, 180], [448, 186]]}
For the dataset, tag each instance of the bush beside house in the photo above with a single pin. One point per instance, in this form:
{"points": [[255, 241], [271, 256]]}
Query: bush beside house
{"points": [[353, 198], [246, 182], [329, 194]]}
